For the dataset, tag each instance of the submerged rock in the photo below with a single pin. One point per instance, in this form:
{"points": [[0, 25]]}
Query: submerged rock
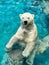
{"points": [[15, 56], [46, 7]]}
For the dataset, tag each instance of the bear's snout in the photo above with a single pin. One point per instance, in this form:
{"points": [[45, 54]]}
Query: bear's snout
{"points": [[25, 22]]}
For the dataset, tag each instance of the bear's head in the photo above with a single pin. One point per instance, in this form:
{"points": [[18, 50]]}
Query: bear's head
{"points": [[26, 18]]}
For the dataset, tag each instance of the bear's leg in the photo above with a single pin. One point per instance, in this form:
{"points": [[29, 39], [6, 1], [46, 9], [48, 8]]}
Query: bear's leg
{"points": [[28, 49], [11, 43]]}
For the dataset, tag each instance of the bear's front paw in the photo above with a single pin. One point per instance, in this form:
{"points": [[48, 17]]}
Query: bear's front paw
{"points": [[25, 54], [7, 48]]}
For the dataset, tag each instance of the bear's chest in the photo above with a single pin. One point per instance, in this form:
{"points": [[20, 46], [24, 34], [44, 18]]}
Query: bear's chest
{"points": [[26, 35]]}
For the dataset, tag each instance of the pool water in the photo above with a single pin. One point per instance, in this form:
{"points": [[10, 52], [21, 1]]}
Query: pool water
{"points": [[10, 21]]}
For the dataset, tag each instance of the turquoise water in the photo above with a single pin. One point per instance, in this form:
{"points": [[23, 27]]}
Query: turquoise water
{"points": [[10, 21]]}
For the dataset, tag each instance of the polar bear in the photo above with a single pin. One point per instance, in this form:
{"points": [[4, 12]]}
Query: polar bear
{"points": [[27, 33]]}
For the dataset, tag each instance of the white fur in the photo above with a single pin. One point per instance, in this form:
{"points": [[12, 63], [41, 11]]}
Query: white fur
{"points": [[26, 33]]}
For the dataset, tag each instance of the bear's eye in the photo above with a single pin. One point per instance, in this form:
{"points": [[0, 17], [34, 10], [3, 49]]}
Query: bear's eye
{"points": [[28, 18], [22, 17]]}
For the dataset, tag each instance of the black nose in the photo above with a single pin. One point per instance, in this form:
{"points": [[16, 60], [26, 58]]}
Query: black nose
{"points": [[25, 22]]}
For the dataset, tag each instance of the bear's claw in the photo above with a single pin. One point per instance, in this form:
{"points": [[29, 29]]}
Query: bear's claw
{"points": [[7, 49]]}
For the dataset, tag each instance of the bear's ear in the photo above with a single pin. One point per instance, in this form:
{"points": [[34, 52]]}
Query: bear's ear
{"points": [[33, 15], [20, 15]]}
